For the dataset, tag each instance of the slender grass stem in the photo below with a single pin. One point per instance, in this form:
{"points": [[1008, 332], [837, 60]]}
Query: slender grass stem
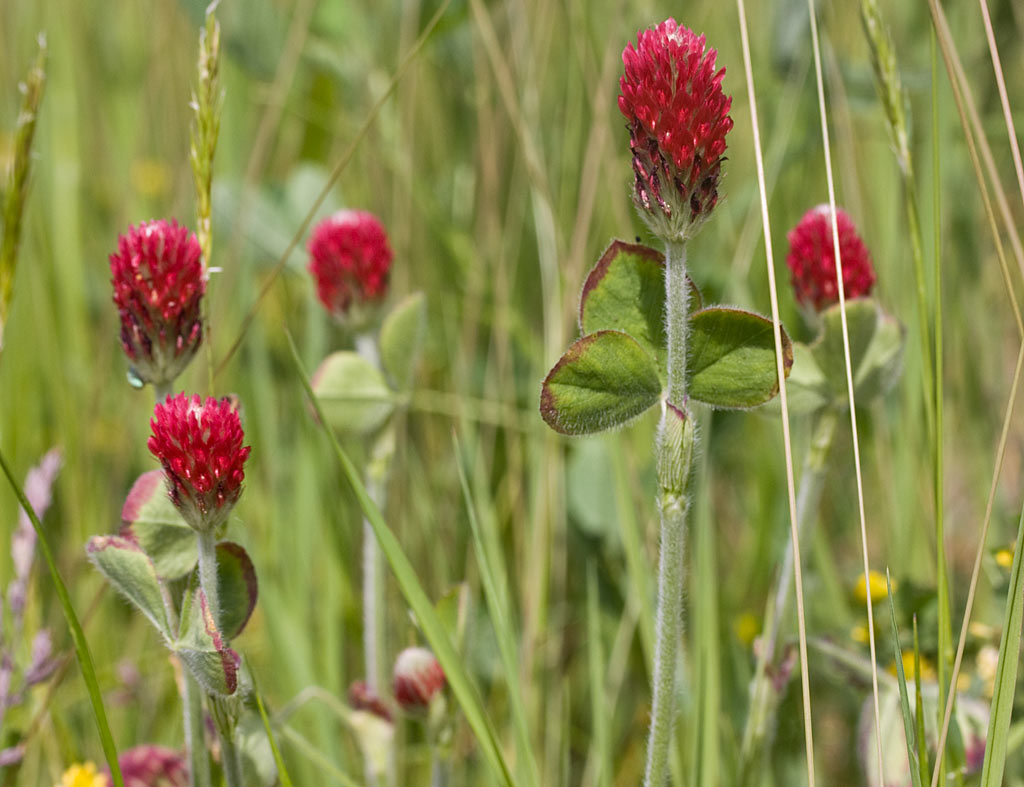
{"points": [[849, 379], [672, 505], [809, 494], [805, 685]]}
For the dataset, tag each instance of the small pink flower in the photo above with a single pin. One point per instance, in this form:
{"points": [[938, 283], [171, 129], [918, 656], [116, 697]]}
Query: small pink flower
{"points": [[678, 118], [200, 447], [158, 281], [153, 766], [350, 259], [362, 697], [812, 262], [418, 678]]}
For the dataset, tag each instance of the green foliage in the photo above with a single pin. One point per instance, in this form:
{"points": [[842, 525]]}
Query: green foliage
{"points": [[131, 572], [203, 648], [150, 519], [731, 358], [236, 588], [356, 398], [604, 380], [401, 339], [877, 342]]}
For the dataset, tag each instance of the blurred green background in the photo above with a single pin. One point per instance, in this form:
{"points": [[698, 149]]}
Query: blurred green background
{"points": [[501, 168]]}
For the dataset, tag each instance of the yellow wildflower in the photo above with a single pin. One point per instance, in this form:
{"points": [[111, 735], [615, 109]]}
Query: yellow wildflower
{"points": [[876, 581], [83, 775]]}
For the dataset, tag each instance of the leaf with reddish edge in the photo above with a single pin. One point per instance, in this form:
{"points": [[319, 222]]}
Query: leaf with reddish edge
{"points": [[236, 587], [132, 574], [625, 291], [603, 380], [150, 519], [203, 648], [731, 358]]}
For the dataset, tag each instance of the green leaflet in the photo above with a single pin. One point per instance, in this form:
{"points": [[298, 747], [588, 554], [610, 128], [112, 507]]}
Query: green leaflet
{"points": [[603, 380]]}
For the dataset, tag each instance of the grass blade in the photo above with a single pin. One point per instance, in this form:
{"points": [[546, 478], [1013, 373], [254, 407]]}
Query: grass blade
{"points": [[908, 718], [1006, 672], [433, 629], [595, 663], [495, 583], [77, 635], [282, 771]]}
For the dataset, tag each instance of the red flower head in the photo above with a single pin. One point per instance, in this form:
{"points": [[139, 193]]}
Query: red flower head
{"points": [[678, 118], [418, 678], [812, 262], [158, 281], [153, 766], [350, 259], [200, 447], [362, 697]]}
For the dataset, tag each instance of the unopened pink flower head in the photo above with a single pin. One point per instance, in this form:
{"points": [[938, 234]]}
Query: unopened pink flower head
{"points": [[418, 678], [149, 765], [678, 118], [200, 447], [811, 259], [158, 280], [350, 259]]}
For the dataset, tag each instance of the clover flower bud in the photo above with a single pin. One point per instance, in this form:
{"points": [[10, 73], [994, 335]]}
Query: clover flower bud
{"points": [[811, 259], [350, 259], [678, 118], [158, 280], [200, 447], [418, 678], [149, 765]]}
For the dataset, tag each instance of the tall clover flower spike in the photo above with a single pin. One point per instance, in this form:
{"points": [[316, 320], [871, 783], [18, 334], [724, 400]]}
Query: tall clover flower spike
{"points": [[200, 447], [812, 260], [158, 280], [678, 118], [350, 260]]}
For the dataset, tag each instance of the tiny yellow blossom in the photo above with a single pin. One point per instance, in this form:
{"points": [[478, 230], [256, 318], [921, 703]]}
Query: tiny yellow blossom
{"points": [[83, 775], [1004, 557], [746, 627], [927, 669], [150, 177], [876, 581], [859, 633]]}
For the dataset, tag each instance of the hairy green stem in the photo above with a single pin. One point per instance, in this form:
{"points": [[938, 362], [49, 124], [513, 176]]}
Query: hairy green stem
{"points": [[195, 748], [373, 585], [231, 760], [762, 701], [674, 450], [207, 543]]}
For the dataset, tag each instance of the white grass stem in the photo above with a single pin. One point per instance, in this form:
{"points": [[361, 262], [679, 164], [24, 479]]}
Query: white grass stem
{"points": [[780, 370], [849, 379]]}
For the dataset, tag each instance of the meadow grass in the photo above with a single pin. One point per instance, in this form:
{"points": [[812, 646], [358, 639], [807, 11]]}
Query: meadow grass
{"points": [[500, 166]]}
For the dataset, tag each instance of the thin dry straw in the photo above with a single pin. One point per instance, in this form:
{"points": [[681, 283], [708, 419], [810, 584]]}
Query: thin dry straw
{"points": [[1000, 451], [787, 443], [335, 174], [849, 379]]}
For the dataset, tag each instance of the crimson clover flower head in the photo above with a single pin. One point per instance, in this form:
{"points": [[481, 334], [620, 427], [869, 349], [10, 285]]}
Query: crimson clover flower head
{"points": [[350, 259], [200, 447], [811, 259], [678, 118], [418, 678], [158, 280], [150, 765]]}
